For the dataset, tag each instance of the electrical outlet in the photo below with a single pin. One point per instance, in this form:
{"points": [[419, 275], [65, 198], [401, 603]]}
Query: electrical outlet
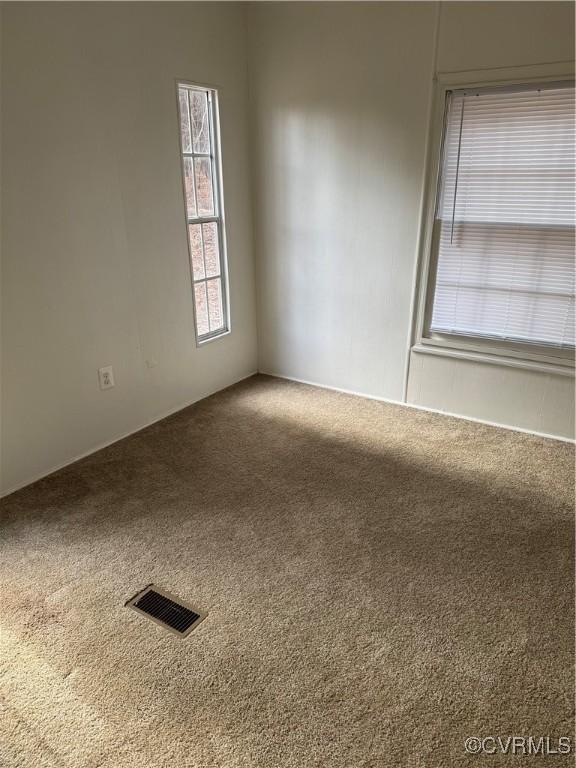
{"points": [[106, 377]]}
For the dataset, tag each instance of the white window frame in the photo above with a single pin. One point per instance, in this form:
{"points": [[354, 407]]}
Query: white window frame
{"points": [[547, 359], [218, 195]]}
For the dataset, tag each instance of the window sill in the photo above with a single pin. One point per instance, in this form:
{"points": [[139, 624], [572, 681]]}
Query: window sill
{"points": [[207, 339], [502, 360]]}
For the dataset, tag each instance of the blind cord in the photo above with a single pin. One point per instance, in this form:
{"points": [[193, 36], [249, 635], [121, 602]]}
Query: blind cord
{"points": [[457, 170]]}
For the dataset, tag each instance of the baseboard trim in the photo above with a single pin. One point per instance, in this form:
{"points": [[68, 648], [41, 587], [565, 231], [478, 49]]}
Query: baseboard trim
{"points": [[355, 393], [117, 438], [525, 431]]}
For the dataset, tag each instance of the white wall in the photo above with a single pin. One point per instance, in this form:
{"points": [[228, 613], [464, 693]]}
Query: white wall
{"points": [[340, 100], [94, 258], [95, 268]]}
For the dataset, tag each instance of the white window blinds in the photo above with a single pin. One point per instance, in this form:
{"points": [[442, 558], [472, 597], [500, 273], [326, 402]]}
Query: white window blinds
{"points": [[505, 216]]}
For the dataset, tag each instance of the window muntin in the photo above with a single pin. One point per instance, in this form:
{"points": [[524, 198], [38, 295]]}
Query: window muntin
{"points": [[503, 245], [204, 208]]}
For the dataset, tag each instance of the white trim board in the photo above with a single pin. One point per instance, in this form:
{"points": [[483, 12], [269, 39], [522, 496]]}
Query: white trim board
{"points": [[421, 408], [100, 446]]}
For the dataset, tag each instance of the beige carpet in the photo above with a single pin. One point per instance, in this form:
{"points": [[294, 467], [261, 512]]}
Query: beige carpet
{"points": [[381, 583]]}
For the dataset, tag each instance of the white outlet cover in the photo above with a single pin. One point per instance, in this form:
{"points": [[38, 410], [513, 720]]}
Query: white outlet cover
{"points": [[106, 377]]}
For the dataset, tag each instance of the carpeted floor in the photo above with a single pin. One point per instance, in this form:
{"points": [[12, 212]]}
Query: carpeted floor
{"points": [[381, 583]]}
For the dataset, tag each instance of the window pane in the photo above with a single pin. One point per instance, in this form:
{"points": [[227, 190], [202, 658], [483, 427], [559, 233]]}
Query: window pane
{"points": [[200, 122], [215, 309], [202, 325], [203, 168], [200, 147], [211, 249], [196, 251], [184, 120], [505, 217], [189, 184]]}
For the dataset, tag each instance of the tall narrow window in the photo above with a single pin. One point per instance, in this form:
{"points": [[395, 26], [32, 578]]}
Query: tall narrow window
{"points": [[504, 225], [198, 109]]}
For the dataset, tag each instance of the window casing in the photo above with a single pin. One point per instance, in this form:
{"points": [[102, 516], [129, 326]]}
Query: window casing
{"points": [[203, 201], [500, 275]]}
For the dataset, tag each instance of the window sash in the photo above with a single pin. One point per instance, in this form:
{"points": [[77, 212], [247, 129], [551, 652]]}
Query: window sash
{"points": [[530, 348], [202, 316]]}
